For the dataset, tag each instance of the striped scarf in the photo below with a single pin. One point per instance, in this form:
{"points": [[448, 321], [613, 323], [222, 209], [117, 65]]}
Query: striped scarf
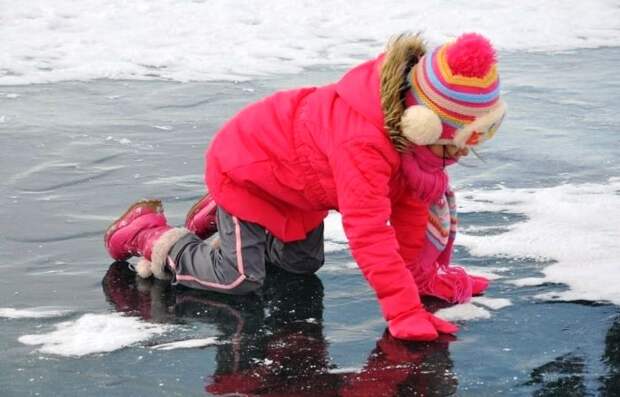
{"points": [[435, 257], [428, 181]]}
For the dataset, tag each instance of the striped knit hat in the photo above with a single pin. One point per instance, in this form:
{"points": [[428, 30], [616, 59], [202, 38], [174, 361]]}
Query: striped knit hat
{"points": [[454, 95]]}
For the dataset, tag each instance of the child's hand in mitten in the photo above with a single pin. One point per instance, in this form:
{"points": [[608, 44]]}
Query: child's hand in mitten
{"points": [[420, 325]]}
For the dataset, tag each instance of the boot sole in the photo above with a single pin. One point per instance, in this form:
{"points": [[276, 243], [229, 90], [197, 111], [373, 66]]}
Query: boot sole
{"points": [[155, 205]]}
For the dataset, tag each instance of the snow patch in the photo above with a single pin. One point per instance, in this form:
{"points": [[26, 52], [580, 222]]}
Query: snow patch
{"points": [[187, 344], [35, 312], [463, 312], [94, 333], [491, 303], [47, 41], [573, 225], [476, 309]]}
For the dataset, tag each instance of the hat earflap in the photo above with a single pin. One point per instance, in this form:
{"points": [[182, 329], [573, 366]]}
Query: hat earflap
{"points": [[421, 125]]}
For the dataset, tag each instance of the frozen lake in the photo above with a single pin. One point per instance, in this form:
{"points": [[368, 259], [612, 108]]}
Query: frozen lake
{"points": [[539, 215]]}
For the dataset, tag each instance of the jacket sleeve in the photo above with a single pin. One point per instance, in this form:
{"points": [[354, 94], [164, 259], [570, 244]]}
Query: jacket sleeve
{"points": [[362, 176], [409, 219]]}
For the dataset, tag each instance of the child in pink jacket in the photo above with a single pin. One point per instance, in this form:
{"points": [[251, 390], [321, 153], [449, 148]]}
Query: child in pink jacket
{"points": [[373, 146]]}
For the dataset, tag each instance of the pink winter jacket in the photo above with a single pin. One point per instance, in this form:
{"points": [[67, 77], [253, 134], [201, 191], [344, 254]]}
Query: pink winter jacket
{"points": [[286, 160]]}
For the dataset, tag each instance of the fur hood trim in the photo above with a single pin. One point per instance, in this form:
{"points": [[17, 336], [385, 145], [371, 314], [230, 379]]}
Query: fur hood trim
{"points": [[403, 52]]}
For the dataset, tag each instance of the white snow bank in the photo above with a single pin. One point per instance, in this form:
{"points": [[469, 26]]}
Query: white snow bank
{"points": [[576, 226], [46, 41]]}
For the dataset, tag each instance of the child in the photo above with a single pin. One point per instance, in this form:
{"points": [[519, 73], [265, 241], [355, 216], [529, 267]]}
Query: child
{"points": [[372, 146]]}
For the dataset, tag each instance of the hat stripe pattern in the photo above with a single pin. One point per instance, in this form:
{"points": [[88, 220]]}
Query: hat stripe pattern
{"points": [[458, 100], [438, 72], [425, 95], [452, 119]]}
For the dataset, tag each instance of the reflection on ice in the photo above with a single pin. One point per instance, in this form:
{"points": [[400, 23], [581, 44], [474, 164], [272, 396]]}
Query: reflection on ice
{"points": [[557, 377], [273, 343]]}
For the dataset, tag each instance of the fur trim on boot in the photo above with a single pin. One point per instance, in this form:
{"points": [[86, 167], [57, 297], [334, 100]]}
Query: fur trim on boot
{"points": [[159, 255], [143, 268]]}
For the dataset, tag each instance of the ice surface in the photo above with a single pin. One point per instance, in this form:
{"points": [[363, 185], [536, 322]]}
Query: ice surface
{"points": [[527, 281], [35, 312], [63, 127], [573, 225], [122, 141], [94, 333], [340, 267], [45, 41], [332, 246]]}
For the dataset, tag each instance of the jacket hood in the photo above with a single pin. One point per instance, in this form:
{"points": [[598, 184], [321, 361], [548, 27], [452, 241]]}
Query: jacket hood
{"points": [[360, 87], [375, 88]]}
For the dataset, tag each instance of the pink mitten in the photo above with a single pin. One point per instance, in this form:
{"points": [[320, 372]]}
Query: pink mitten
{"points": [[479, 284], [455, 286], [420, 325]]}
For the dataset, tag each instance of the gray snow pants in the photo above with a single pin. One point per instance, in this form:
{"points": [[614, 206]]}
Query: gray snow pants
{"points": [[237, 264]]}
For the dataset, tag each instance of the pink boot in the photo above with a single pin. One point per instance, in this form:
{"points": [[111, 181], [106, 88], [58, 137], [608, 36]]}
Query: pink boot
{"points": [[200, 218], [143, 231]]}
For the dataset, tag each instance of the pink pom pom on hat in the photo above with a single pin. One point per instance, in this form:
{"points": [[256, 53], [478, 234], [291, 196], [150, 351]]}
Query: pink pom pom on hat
{"points": [[455, 94]]}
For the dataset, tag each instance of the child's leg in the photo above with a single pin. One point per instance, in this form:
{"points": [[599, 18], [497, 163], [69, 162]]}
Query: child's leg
{"points": [[235, 265], [301, 257]]}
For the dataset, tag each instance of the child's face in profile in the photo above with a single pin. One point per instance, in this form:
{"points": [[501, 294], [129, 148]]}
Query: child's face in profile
{"points": [[449, 151]]}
